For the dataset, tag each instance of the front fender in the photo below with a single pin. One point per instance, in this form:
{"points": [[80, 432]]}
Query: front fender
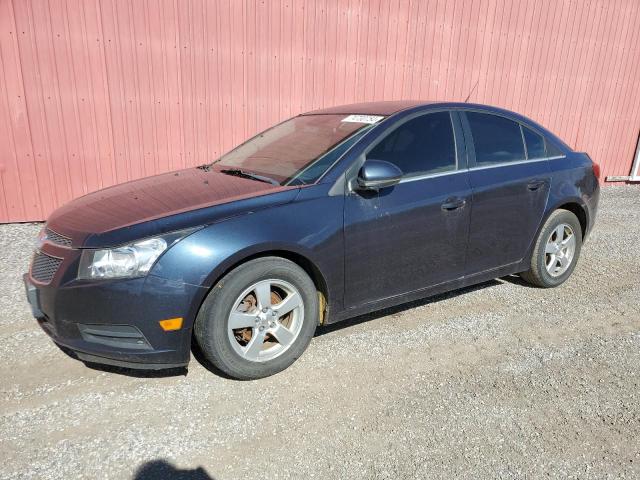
{"points": [[310, 227]]}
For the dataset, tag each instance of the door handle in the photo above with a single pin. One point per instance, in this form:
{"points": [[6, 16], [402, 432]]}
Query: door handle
{"points": [[453, 204], [534, 185]]}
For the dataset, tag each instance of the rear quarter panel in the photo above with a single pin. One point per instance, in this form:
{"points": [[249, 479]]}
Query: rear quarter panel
{"points": [[573, 180]]}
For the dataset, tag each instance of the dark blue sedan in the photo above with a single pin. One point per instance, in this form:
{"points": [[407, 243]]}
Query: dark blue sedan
{"points": [[328, 215]]}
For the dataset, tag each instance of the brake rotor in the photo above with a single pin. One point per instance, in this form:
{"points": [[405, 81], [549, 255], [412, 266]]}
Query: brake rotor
{"points": [[250, 304]]}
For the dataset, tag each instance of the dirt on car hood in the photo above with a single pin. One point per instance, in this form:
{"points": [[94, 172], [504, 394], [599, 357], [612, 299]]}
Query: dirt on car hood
{"points": [[152, 198]]}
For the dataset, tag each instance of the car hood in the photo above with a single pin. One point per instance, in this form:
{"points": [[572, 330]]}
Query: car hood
{"points": [[160, 204]]}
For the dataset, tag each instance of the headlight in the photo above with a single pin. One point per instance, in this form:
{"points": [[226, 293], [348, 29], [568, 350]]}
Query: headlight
{"points": [[128, 261]]}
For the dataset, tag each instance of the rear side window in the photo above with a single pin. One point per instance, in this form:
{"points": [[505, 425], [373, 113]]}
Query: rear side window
{"points": [[534, 142], [496, 139], [420, 146]]}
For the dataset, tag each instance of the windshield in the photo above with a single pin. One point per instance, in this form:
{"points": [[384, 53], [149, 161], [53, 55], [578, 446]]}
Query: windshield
{"points": [[297, 151]]}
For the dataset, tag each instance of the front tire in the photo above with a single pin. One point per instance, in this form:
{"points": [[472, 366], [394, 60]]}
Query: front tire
{"points": [[556, 250], [258, 319]]}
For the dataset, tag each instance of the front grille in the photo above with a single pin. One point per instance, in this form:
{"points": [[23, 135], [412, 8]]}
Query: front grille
{"points": [[57, 238], [44, 267]]}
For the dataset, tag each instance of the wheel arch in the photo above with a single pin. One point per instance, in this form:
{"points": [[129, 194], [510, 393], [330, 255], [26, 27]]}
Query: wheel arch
{"points": [[578, 210], [299, 258], [573, 205]]}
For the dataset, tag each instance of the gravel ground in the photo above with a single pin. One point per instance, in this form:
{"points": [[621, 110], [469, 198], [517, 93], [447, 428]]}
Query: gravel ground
{"points": [[500, 380]]}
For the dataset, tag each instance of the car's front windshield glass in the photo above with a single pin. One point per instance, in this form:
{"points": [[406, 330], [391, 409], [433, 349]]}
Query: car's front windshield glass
{"points": [[293, 151]]}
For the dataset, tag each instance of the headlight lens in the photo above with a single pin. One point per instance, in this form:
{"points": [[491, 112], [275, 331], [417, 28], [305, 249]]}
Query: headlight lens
{"points": [[132, 260]]}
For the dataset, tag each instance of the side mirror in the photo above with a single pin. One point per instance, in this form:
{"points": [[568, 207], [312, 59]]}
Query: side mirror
{"points": [[377, 174]]}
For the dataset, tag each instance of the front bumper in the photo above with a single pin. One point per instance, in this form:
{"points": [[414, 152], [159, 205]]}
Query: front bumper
{"points": [[116, 322]]}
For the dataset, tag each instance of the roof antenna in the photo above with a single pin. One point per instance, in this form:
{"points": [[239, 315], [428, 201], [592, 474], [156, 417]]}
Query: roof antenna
{"points": [[472, 90]]}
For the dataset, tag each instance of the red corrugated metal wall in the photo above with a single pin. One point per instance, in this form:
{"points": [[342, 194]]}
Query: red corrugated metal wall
{"points": [[99, 92]]}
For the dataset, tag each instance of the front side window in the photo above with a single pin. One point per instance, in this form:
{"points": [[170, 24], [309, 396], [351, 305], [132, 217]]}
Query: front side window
{"points": [[293, 152], [420, 146], [496, 139], [535, 144]]}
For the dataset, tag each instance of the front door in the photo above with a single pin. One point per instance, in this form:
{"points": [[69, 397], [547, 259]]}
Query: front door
{"points": [[412, 235]]}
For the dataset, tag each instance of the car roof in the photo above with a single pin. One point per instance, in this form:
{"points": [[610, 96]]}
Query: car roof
{"points": [[388, 108], [370, 108]]}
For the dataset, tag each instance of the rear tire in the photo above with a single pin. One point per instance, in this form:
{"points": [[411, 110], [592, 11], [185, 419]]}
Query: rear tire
{"points": [[556, 250], [258, 319]]}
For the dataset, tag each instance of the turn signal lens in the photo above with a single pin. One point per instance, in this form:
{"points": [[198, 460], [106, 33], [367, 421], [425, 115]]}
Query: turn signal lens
{"points": [[171, 324]]}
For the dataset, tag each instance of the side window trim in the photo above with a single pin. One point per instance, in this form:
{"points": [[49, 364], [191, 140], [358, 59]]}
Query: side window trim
{"points": [[399, 123], [468, 140], [470, 148], [462, 157], [524, 142]]}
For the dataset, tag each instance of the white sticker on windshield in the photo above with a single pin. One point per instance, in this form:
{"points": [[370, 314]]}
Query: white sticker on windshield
{"points": [[363, 118]]}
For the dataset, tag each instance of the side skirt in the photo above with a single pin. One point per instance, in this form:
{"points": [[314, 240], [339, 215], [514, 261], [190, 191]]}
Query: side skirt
{"points": [[396, 300]]}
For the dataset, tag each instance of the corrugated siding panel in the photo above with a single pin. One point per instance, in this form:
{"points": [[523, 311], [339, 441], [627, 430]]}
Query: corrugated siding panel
{"points": [[100, 92]]}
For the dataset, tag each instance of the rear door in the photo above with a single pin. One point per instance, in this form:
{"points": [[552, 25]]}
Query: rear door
{"points": [[412, 235], [510, 189]]}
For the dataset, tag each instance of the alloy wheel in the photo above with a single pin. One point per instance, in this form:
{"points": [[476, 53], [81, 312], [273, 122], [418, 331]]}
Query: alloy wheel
{"points": [[560, 250], [265, 320]]}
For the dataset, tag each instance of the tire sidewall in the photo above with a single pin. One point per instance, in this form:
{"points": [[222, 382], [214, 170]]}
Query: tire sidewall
{"points": [[558, 217], [213, 318]]}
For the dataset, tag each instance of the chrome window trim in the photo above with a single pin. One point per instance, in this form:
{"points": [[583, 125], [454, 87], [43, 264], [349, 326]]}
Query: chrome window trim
{"points": [[524, 142], [483, 167], [414, 178], [519, 162]]}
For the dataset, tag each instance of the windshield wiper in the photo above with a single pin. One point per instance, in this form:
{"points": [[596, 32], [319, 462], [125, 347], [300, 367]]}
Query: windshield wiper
{"points": [[244, 174]]}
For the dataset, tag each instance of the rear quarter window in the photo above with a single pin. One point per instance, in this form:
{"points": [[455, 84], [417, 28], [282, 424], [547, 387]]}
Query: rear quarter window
{"points": [[553, 151]]}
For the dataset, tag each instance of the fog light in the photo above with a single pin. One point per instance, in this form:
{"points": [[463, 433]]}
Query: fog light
{"points": [[171, 324]]}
